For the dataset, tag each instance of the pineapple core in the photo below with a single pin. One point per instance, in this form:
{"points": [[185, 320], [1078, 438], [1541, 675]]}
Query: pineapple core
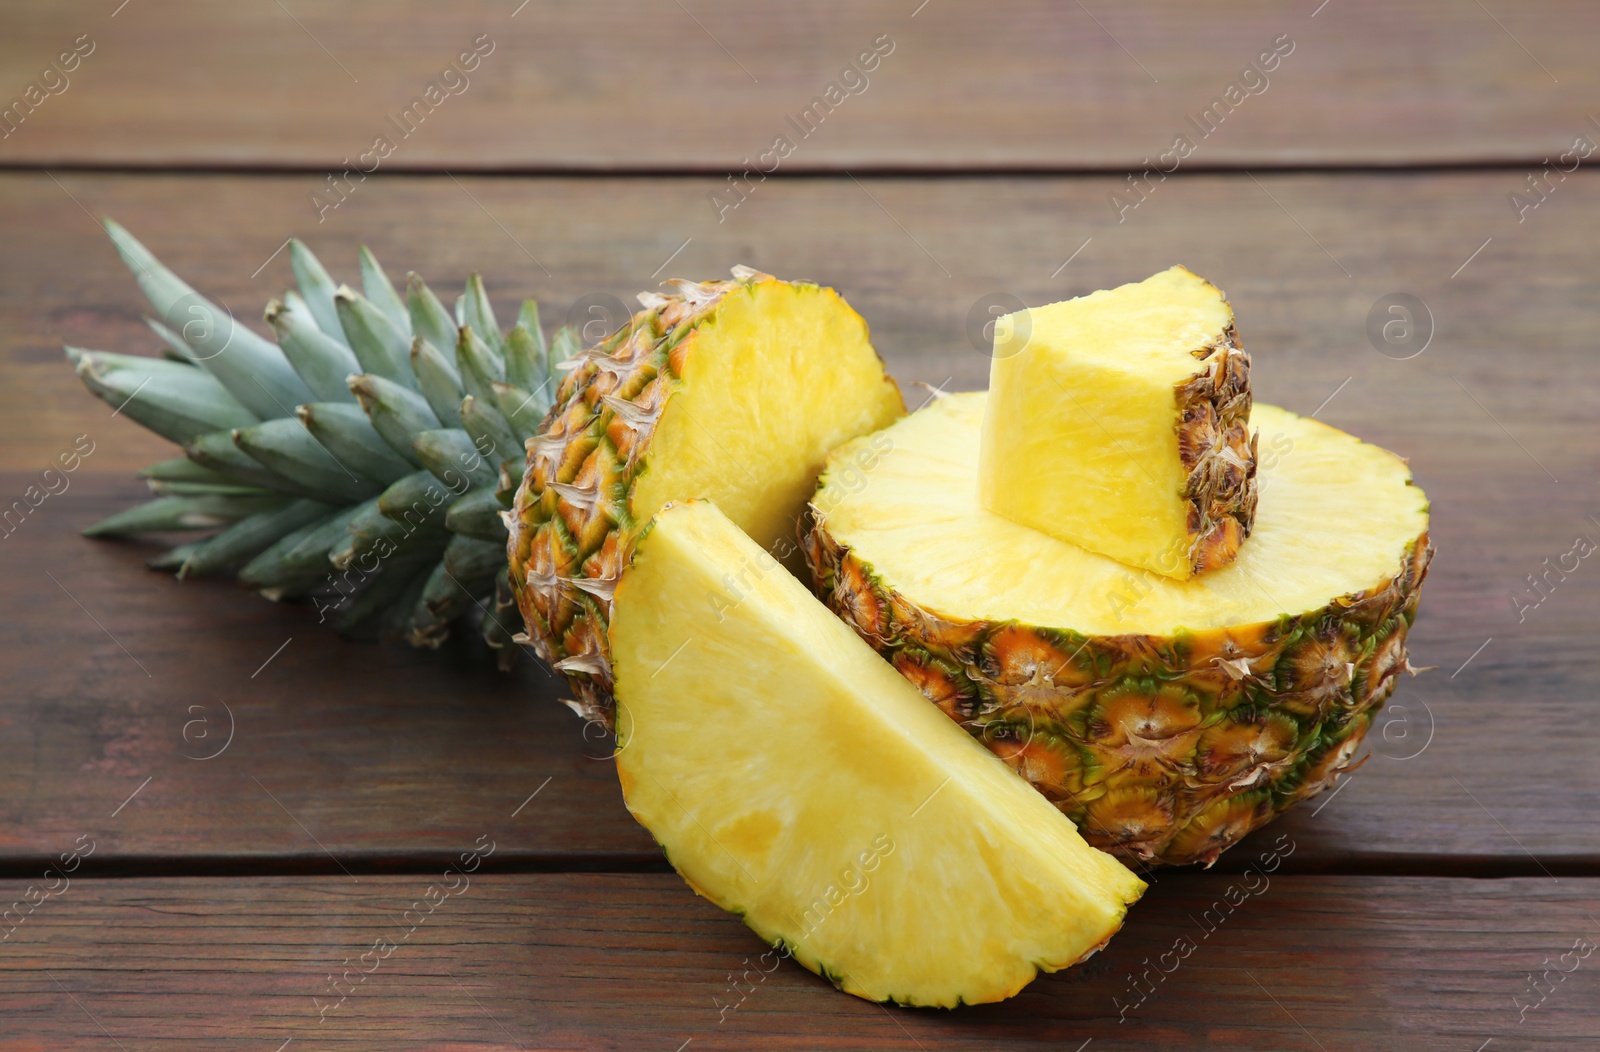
{"points": [[1121, 424]]}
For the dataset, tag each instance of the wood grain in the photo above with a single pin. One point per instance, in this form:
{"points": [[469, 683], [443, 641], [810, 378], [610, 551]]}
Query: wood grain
{"points": [[701, 85], [354, 774], [192, 724], [388, 755], [618, 961], [1303, 257]]}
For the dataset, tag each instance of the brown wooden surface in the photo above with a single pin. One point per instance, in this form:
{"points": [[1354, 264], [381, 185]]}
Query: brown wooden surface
{"points": [[222, 892], [380, 756], [704, 83], [387, 753], [616, 961], [912, 255]]}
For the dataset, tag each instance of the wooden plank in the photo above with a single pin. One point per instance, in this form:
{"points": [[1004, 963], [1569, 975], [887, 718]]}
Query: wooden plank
{"points": [[702, 85], [186, 724], [120, 682], [616, 961], [913, 255], [395, 755]]}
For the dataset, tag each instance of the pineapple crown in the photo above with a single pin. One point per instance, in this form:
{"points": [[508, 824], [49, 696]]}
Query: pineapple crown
{"points": [[362, 461]]}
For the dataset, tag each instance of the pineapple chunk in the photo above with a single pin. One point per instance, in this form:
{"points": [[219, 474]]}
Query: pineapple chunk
{"points": [[1122, 425], [794, 778]]}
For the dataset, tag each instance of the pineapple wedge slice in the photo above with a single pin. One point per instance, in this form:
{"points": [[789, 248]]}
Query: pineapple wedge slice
{"points": [[794, 778], [1121, 424]]}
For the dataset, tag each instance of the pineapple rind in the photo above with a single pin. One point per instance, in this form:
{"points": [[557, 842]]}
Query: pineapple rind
{"points": [[1164, 748], [1188, 783], [586, 532], [1218, 454]]}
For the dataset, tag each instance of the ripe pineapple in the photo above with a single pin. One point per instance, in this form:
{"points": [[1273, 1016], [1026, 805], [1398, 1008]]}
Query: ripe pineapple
{"points": [[730, 390], [362, 463], [1166, 718], [1121, 423], [794, 779]]}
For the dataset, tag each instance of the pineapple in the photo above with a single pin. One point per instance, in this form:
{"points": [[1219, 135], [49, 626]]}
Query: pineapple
{"points": [[363, 462], [794, 779], [731, 390], [1166, 718], [1122, 425]]}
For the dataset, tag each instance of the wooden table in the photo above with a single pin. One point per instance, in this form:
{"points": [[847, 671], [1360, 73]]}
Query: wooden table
{"points": [[1427, 904]]}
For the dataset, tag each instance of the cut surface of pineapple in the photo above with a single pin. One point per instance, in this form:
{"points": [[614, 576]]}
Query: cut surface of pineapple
{"points": [[733, 391], [1337, 515], [1167, 718], [777, 377], [1121, 423], [794, 778]]}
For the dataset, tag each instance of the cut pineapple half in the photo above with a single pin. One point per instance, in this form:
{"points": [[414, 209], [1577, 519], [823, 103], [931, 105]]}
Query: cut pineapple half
{"points": [[1122, 425], [1167, 718], [733, 391], [795, 779]]}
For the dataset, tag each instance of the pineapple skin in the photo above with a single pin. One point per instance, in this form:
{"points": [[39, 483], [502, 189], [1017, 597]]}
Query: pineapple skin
{"points": [[569, 539], [1161, 749], [1218, 453]]}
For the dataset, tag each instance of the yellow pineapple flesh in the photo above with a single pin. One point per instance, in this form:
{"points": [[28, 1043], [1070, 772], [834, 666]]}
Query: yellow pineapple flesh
{"points": [[1119, 421], [794, 778], [1167, 718]]}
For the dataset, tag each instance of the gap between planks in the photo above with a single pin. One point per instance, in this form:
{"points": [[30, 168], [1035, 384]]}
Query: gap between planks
{"points": [[1508, 163], [318, 865]]}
